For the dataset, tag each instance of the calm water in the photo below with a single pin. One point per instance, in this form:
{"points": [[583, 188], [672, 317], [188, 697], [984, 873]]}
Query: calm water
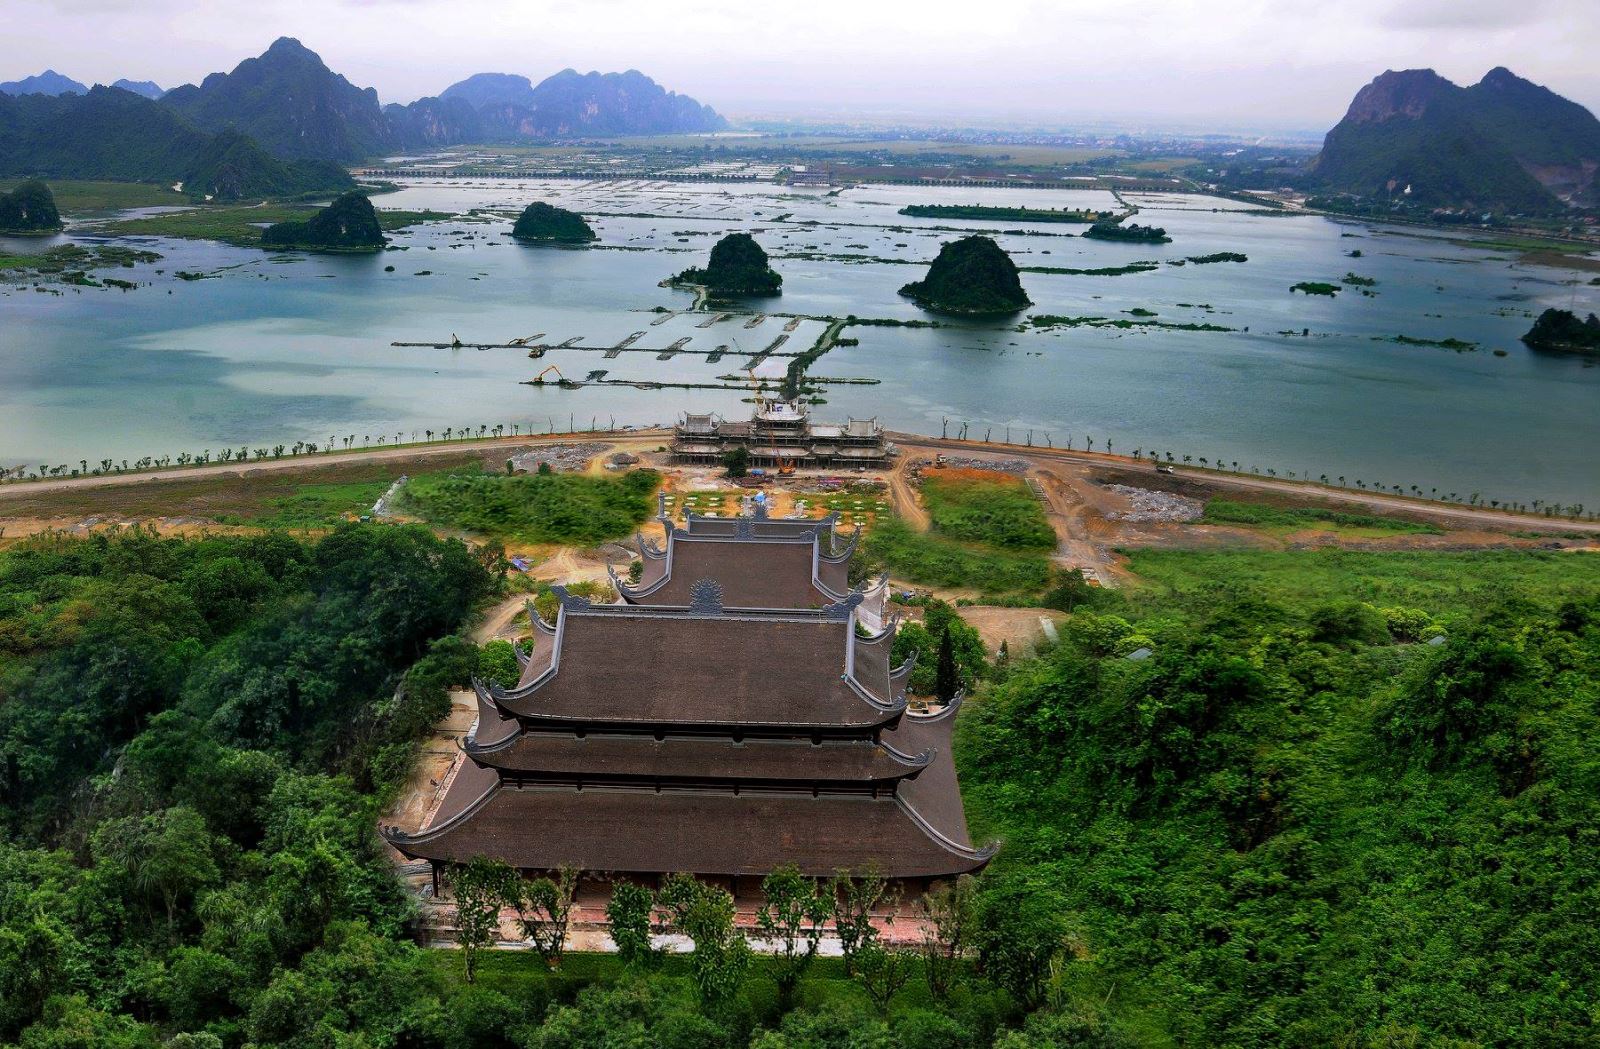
{"points": [[273, 352]]}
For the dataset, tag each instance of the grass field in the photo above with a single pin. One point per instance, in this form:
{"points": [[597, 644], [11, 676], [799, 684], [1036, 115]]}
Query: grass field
{"points": [[1284, 519], [993, 509], [933, 560], [538, 508], [318, 493], [242, 225], [83, 197], [1305, 578]]}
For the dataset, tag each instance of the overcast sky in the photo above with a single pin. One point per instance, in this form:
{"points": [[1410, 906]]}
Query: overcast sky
{"points": [[1272, 64]]}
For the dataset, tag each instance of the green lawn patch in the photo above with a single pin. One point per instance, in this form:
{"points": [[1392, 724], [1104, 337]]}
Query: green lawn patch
{"points": [[1226, 511], [539, 508], [314, 505], [81, 196], [242, 225], [1303, 578], [937, 561], [1002, 512]]}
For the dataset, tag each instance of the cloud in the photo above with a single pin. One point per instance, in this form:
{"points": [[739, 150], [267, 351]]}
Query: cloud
{"points": [[1464, 14]]}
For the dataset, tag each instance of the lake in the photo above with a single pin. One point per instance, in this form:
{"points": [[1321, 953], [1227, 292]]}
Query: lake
{"points": [[274, 350]]}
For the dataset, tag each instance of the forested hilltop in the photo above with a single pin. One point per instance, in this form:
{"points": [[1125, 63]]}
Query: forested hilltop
{"points": [[1348, 799], [114, 134], [1503, 144]]}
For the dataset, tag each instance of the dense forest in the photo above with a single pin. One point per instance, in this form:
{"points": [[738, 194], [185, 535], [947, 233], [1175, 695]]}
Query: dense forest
{"points": [[110, 133], [1348, 799]]}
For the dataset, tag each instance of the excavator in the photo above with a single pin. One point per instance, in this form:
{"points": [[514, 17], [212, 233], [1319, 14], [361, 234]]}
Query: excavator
{"points": [[537, 351], [561, 380]]}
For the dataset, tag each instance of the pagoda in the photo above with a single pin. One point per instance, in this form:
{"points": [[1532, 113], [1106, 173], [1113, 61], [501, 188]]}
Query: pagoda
{"points": [[735, 714], [759, 561], [781, 433]]}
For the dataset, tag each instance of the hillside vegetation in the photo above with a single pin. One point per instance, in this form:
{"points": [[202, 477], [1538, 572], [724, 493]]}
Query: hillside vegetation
{"points": [[348, 223], [546, 222], [738, 266], [29, 210], [1299, 823], [972, 276]]}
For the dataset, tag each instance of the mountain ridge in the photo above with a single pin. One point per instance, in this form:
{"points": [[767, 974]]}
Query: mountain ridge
{"points": [[290, 102], [110, 133], [47, 83], [510, 107], [1502, 144]]}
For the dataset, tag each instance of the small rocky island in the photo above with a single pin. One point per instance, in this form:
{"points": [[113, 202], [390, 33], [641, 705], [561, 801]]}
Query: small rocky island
{"points": [[738, 267], [1114, 230], [348, 224], [972, 277], [1564, 331], [542, 223], [29, 211]]}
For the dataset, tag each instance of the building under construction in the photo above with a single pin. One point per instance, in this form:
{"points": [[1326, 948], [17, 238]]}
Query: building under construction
{"points": [[781, 433]]}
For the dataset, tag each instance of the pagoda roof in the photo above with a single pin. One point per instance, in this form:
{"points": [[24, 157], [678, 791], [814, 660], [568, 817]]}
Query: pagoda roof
{"points": [[760, 562], [705, 668], [644, 830], [592, 758]]}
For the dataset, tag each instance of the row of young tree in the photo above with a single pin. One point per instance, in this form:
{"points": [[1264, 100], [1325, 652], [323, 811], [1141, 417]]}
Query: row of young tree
{"points": [[1542, 507], [246, 453], [963, 928]]}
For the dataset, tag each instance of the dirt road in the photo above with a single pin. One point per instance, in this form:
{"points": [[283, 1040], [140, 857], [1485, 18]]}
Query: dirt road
{"points": [[621, 440], [1460, 516], [914, 445]]}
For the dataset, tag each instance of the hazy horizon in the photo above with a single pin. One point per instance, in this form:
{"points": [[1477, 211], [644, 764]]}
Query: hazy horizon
{"points": [[1290, 65]]}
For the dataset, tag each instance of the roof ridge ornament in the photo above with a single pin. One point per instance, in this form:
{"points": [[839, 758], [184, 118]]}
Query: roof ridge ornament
{"points": [[841, 610], [705, 597], [569, 601], [744, 528]]}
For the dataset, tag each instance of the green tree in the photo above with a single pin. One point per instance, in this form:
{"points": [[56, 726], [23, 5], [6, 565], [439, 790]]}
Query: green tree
{"points": [[1019, 931], [497, 662], [947, 913], [721, 956], [736, 461], [544, 908], [947, 681], [481, 888], [855, 898], [166, 856], [793, 912], [629, 911]]}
